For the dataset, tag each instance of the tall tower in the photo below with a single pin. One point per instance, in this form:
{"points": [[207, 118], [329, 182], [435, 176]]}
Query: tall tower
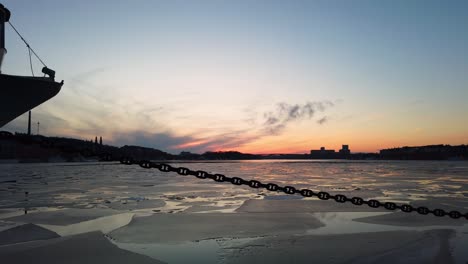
{"points": [[29, 123], [100, 141]]}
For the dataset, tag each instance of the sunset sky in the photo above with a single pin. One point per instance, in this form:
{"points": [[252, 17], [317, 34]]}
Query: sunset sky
{"points": [[253, 76]]}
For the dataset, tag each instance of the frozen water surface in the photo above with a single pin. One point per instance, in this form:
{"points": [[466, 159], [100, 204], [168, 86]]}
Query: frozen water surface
{"points": [[70, 199]]}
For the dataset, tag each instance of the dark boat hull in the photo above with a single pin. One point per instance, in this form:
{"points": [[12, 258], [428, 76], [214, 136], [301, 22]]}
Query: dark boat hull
{"points": [[19, 94]]}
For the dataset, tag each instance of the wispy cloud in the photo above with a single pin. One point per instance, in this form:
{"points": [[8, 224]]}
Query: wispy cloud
{"points": [[285, 114], [322, 120], [161, 140], [173, 143], [225, 141], [273, 123]]}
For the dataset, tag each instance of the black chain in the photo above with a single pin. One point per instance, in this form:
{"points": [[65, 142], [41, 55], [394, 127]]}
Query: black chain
{"points": [[339, 198]]}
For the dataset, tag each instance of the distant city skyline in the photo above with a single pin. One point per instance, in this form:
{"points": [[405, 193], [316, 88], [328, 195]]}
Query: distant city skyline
{"points": [[252, 76]]}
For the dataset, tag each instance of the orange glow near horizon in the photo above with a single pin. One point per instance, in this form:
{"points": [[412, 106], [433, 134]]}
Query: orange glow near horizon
{"points": [[357, 145], [190, 144], [299, 143]]}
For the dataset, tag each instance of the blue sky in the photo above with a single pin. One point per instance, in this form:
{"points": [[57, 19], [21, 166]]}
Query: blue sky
{"points": [[206, 75]]}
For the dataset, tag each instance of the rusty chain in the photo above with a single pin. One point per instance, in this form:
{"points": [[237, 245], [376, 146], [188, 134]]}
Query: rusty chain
{"points": [[339, 198]]}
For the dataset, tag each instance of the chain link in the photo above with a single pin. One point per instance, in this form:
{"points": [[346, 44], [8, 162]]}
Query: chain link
{"points": [[339, 198]]}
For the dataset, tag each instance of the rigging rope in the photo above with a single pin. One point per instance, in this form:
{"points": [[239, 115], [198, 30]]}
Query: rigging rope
{"points": [[30, 62], [27, 45]]}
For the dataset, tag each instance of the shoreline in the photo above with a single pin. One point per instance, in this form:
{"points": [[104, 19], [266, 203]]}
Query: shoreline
{"points": [[284, 160]]}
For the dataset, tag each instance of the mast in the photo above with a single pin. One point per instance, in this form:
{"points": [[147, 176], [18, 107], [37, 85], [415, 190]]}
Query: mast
{"points": [[4, 17]]}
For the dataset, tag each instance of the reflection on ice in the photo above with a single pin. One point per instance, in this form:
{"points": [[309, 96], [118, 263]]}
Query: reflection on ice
{"points": [[104, 224]]}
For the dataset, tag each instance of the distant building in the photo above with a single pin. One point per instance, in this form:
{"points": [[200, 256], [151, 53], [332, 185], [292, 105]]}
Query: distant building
{"points": [[430, 152], [323, 153], [345, 151]]}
